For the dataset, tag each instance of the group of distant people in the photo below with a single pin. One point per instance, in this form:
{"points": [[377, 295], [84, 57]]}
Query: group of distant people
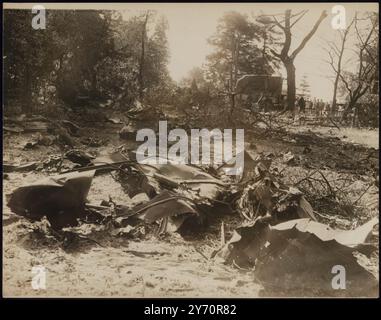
{"points": [[316, 107]]}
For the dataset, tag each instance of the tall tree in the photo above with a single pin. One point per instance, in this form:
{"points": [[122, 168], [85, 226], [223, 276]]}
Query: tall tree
{"points": [[304, 86], [82, 40], [335, 53], [360, 82], [285, 56], [127, 74], [83, 53], [158, 54], [28, 57], [142, 53], [269, 39], [195, 75], [236, 53], [158, 79]]}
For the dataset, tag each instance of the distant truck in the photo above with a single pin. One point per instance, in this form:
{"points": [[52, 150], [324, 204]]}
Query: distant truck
{"points": [[260, 92]]}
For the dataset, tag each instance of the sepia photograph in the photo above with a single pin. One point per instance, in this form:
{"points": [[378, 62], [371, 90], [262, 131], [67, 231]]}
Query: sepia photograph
{"points": [[190, 150]]}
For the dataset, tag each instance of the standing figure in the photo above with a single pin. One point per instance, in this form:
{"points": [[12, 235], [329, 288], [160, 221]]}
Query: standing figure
{"points": [[302, 105]]}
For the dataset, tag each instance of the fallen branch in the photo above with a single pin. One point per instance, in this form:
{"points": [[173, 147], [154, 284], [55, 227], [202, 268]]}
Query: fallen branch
{"points": [[328, 184], [113, 166], [334, 123], [359, 198], [305, 178]]}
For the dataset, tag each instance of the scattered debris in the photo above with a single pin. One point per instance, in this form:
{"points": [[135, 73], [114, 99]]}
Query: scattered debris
{"points": [[40, 140], [115, 120], [299, 255], [307, 149], [93, 141], [36, 126], [64, 136], [267, 196], [288, 158], [72, 127], [79, 156], [128, 131], [13, 129], [25, 167], [30, 144], [168, 208], [46, 140], [61, 199], [279, 235]]}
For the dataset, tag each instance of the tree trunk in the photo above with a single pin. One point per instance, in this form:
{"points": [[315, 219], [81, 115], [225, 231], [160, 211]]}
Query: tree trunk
{"points": [[291, 88], [288, 59], [355, 116], [335, 92], [27, 99], [349, 108], [232, 103], [94, 86], [142, 58], [141, 68], [338, 68]]}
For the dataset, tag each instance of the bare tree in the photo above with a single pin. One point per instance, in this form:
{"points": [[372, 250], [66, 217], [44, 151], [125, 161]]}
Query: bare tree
{"points": [[366, 72], [336, 54], [288, 58]]}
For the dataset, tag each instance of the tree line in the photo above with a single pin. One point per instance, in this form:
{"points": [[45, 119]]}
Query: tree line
{"points": [[87, 56], [82, 56]]}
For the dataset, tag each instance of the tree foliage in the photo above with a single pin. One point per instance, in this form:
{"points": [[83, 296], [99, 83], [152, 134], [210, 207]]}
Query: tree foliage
{"points": [[82, 56], [304, 87], [237, 51]]}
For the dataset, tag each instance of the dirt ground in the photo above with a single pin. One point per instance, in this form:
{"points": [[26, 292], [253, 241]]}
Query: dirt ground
{"points": [[366, 137], [173, 266]]}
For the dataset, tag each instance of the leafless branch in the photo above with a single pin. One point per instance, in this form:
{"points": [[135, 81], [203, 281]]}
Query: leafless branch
{"points": [[278, 23], [302, 13], [309, 35]]}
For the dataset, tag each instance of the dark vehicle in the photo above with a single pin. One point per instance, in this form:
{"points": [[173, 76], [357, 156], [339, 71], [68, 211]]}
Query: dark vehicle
{"points": [[260, 92]]}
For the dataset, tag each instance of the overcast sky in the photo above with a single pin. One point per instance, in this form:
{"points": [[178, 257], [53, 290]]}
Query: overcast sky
{"points": [[190, 25]]}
